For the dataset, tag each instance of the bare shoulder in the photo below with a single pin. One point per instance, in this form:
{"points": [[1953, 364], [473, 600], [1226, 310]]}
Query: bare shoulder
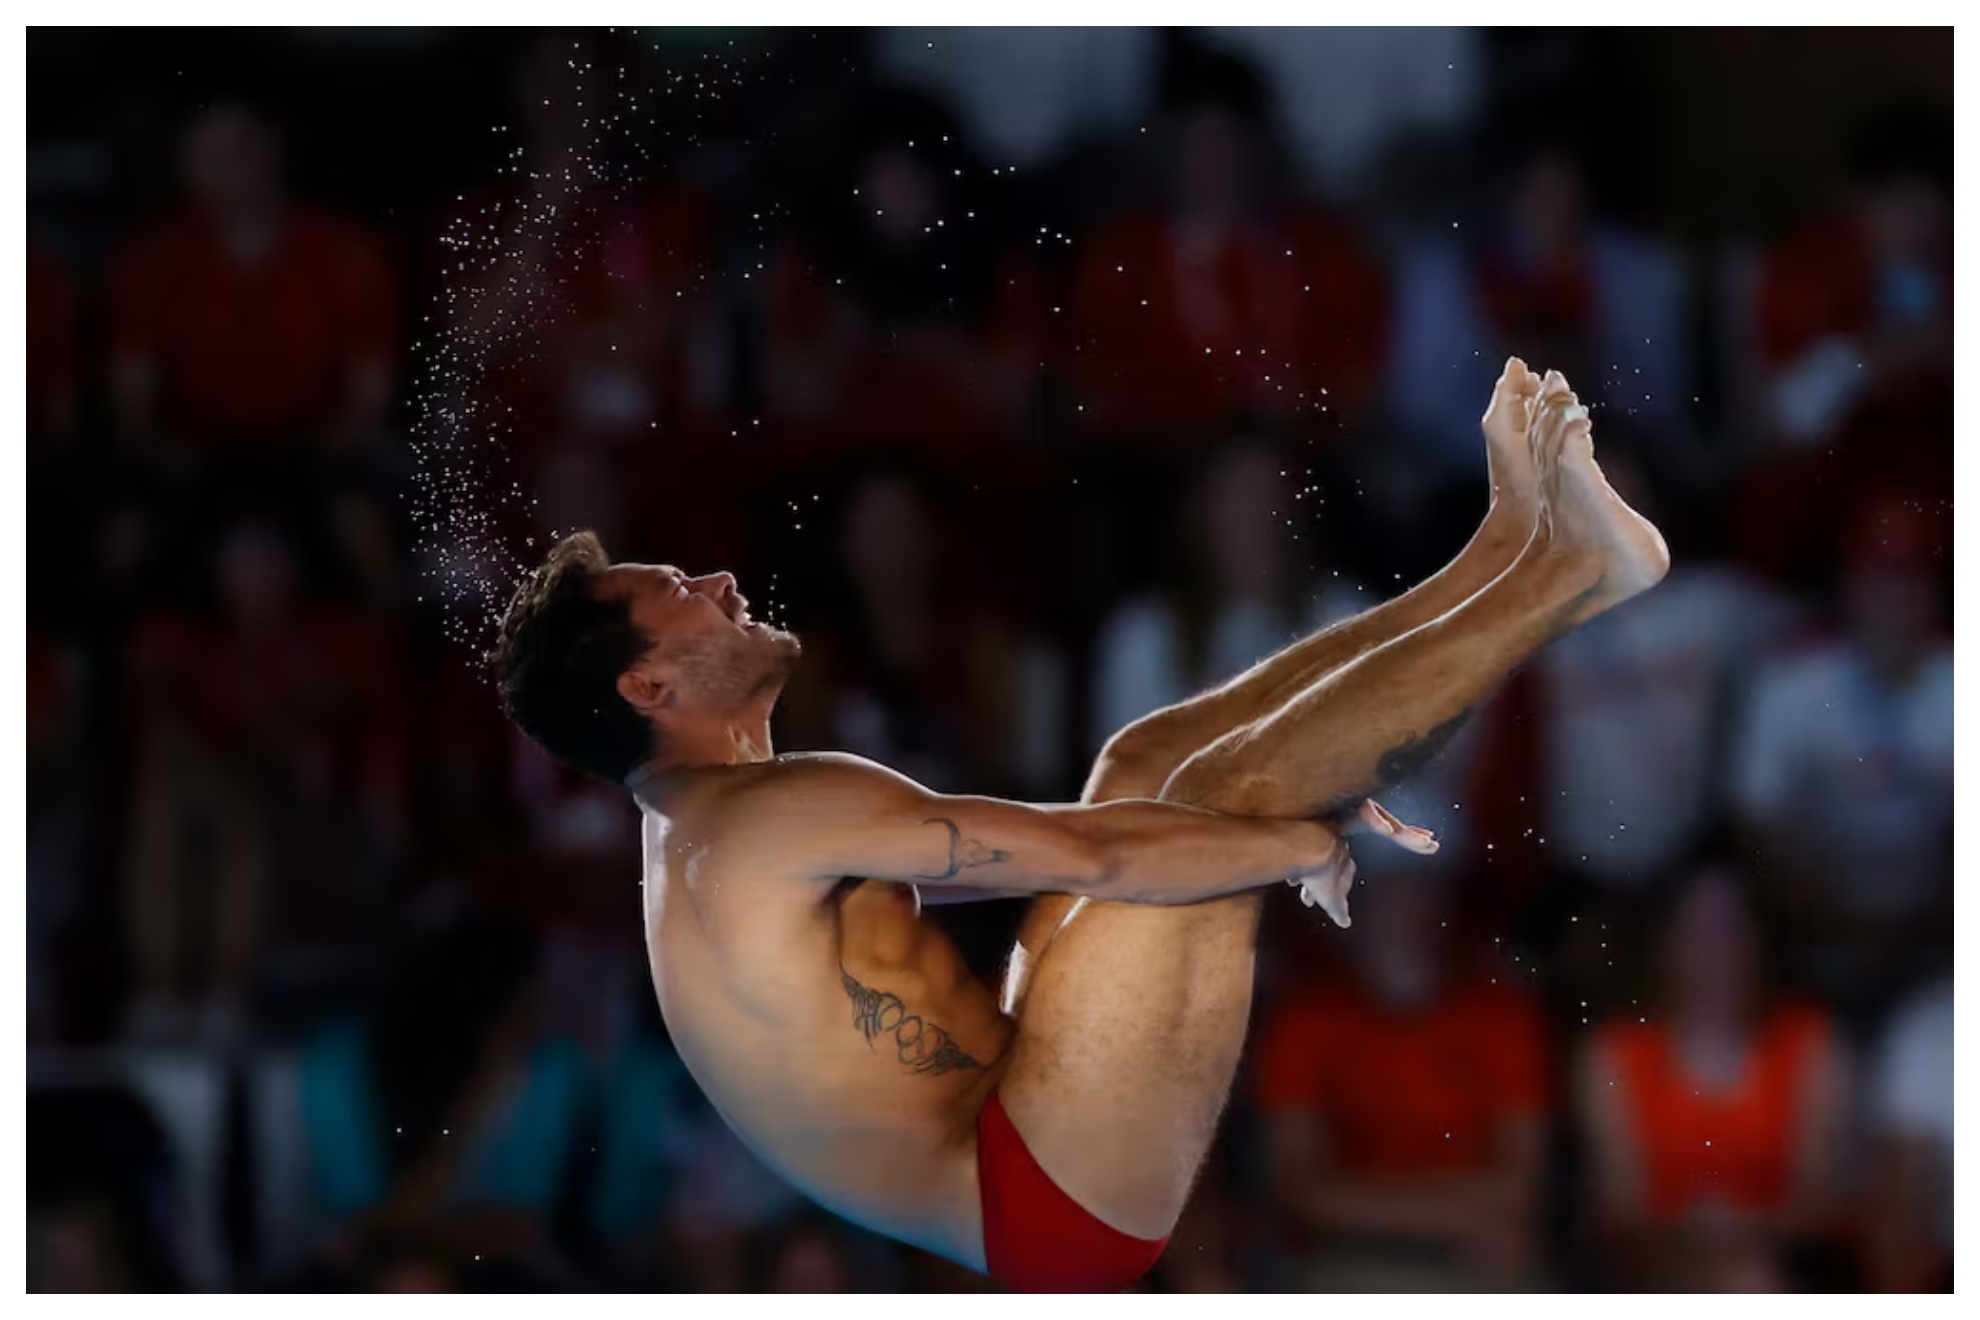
{"points": [[801, 783], [770, 816]]}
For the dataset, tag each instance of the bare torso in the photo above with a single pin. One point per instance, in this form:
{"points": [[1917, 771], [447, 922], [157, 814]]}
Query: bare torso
{"points": [[840, 1035]]}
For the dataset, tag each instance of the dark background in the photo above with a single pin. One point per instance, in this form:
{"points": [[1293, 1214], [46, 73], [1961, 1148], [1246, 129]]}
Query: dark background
{"points": [[1037, 378]]}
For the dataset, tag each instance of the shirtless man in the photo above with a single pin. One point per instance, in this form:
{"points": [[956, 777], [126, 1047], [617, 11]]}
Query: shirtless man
{"points": [[1048, 1136]]}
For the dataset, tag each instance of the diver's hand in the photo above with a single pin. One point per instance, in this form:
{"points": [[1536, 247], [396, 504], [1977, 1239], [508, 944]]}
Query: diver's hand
{"points": [[1376, 819], [1327, 888]]}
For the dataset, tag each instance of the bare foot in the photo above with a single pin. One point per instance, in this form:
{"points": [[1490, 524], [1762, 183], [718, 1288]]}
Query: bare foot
{"points": [[1582, 513], [1508, 450]]}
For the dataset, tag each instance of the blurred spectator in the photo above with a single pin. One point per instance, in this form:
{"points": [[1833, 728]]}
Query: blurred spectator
{"points": [[1209, 1250], [575, 297], [1549, 281], [1029, 94], [625, 355], [79, 1246], [269, 742], [108, 1189], [471, 838], [807, 1257], [1406, 1110], [250, 320], [1349, 93], [1843, 768], [1854, 323], [1859, 301], [898, 318], [447, 1113], [64, 495], [59, 820], [1244, 595], [676, 1199], [891, 672], [1909, 1215], [54, 349], [511, 258], [1231, 304], [406, 1267], [1715, 1124]]}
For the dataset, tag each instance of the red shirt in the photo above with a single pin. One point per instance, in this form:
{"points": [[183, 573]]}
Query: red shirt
{"points": [[1170, 337], [321, 691], [1820, 284], [599, 338], [1406, 1095], [247, 349], [1546, 303], [51, 341], [926, 389]]}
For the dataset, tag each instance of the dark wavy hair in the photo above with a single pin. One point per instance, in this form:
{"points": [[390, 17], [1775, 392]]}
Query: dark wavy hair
{"points": [[558, 660]]}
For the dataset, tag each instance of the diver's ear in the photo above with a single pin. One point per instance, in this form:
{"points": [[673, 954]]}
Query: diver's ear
{"points": [[644, 692]]}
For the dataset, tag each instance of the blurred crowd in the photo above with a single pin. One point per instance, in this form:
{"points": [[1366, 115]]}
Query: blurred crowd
{"points": [[1036, 379]]}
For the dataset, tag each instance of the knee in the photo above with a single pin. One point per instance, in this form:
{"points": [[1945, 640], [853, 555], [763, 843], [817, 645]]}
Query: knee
{"points": [[1138, 760], [1218, 778]]}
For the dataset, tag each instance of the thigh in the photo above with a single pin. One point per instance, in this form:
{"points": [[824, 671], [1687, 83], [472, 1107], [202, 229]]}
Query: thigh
{"points": [[1047, 915], [1135, 764], [1128, 1038]]}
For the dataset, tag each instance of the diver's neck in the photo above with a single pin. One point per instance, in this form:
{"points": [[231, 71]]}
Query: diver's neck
{"points": [[749, 739], [744, 740]]}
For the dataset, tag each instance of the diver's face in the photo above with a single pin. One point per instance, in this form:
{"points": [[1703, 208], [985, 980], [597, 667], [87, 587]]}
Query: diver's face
{"points": [[707, 653]]}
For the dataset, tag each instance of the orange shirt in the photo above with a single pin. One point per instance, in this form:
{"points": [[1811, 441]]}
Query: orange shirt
{"points": [[1737, 1146], [1406, 1095]]}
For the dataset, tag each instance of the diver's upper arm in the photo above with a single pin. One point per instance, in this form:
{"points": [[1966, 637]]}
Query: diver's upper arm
{"points": [[833, 816]]}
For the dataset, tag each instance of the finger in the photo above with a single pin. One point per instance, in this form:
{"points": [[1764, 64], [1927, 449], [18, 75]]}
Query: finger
{"points": [[1338, 909], [1382, 821], [1378, 817], [1416, 839]]}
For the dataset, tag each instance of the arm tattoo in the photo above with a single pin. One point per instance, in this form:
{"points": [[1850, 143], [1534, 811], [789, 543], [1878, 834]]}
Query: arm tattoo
{"points": [[964, 853], [923, 1048], [1409, 757]]}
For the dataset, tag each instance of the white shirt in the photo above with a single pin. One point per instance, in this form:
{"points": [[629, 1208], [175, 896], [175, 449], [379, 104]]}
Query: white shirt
{"points": [[1028, 93], [1912, 1092], [1346, 93], [1868, 772], [1631, 700]]}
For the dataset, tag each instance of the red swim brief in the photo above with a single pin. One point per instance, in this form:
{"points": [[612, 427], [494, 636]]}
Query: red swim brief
{"points": [[1035, 1237]]}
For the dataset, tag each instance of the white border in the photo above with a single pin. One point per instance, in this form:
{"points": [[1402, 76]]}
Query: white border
{"points": [[191, 12]]}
